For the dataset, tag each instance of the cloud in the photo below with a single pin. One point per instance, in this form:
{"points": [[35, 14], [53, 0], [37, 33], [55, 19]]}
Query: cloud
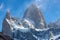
{"points": [[1, 6], [41, 3], [37, 0]]}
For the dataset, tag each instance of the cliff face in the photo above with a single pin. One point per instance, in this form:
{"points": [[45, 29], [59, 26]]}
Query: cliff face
{"points": [[35, 15], [5, 25]]}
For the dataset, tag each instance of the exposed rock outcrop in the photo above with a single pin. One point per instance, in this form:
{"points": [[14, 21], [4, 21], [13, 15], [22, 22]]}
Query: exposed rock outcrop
{"points": [[34, 14], [5, 25]]}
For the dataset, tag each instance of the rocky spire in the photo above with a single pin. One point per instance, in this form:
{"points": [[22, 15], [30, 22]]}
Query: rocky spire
{"points": [[35, 15], [7, 14], [5, 26]]}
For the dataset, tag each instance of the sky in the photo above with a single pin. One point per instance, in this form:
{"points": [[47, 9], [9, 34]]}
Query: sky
{"points": [[50, 9]]}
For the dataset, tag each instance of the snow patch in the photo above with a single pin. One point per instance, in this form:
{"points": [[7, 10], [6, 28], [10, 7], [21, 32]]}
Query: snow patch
{"points": [[45, 29], [16, 27], [30, 23]]}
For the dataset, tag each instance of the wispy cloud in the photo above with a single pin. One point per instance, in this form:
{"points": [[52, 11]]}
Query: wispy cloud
{"points": [[41, 3], [1, 6]]}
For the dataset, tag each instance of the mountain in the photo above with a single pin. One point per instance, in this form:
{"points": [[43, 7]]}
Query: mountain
{"points": [[5, 25], [31, 27], [34, 14], [55, 24]]}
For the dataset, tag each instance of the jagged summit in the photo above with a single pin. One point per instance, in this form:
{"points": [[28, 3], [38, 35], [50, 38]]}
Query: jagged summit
{"points": [[30, 9], [7, 14], [34, 14], [33, 6]]}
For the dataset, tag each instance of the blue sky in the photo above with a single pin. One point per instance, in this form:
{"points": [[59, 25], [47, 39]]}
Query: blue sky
{"points": [[49, 8]]}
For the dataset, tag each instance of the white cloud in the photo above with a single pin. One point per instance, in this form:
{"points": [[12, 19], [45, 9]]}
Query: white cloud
{"points": [[37, 0], [41, 3], [1, 6]]}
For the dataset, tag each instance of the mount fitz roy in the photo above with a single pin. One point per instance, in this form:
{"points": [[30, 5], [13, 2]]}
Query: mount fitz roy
{"points": [[31, 27]]}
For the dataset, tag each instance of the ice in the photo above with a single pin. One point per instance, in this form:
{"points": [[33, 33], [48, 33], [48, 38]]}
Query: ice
{"points": [[35, 36], [55, 37], [30, 23], [16, 27], [42, 29], [21, 28]]}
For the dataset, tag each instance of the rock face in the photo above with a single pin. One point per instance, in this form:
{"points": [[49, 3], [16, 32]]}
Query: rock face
{"points": [[5, 26], [35, 15]]}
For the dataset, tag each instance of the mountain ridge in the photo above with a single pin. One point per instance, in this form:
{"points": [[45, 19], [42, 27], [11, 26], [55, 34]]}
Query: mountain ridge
{"points": [[31, 27]]}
